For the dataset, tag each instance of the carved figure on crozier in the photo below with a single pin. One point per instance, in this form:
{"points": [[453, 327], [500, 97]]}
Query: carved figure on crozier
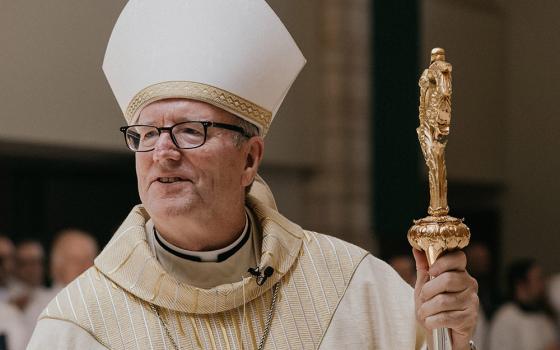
{"points": [[435, 118]]}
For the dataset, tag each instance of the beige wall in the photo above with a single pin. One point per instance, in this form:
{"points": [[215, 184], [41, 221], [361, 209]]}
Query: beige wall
{"points": [[505, 126], [53, 90], [533, 131], [474, 38]]}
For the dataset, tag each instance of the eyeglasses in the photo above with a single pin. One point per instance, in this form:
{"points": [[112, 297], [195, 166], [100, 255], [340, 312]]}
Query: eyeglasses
{"points": [[185, 135]]}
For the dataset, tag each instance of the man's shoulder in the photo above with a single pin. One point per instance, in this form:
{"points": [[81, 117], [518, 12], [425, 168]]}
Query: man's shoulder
{"points": [[507, 311], [368, 290], [73, 314], [94, 303], [325, 244], [79, 300], [333, 251], [340, 254], [508, 317]]}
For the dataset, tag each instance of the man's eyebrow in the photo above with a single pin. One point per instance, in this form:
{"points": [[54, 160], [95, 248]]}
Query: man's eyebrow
{"points": [[175, 120], [197, 118], [182, 118]]}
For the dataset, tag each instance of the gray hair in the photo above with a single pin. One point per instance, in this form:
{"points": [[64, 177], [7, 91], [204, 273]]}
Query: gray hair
{"points": [[238, 139], [249, 128]]}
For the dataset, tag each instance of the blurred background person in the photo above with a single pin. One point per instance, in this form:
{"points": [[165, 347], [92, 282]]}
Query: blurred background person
{"points": [[29, 273], [72, 252], [480, 266], [553, 294], [7, 251], [12, 331], [525, 322], [28, 287], [405, 267]]}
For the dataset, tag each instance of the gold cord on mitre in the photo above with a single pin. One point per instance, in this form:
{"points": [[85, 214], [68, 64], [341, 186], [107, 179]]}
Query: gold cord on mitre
{"points": [[234, 54]]}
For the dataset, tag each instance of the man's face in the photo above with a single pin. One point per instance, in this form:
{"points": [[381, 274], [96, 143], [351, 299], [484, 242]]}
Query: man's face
{"points": [[73, 254], [404, 265], [200, 182], [479, 261], [536, 283], [30, 262], [6, 260]]}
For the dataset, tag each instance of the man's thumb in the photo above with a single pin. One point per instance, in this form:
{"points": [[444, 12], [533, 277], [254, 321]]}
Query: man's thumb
{"points": [[422, 268]]}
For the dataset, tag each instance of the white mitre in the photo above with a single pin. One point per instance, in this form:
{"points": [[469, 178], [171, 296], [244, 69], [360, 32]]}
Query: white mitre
{"points": [[234, 54]]}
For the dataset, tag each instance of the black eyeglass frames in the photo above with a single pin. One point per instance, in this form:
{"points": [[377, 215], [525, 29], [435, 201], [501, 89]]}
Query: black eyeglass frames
{"points": [[185, 135]]}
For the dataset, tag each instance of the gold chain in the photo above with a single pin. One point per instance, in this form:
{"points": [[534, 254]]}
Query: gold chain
{"points": [[270, 315], [156, 311]]}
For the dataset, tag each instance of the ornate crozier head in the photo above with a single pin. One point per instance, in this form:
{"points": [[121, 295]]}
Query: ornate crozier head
{"points": [[439, 103]]}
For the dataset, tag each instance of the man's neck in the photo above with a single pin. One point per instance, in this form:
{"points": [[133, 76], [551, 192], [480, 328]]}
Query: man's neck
{"points": [[202, 235], [218, 255]]}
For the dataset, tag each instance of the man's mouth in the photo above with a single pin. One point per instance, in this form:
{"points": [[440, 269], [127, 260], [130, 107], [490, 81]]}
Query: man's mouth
{"points": [[168, 180]]}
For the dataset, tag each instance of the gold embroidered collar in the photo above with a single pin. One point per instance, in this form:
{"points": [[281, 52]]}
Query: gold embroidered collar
{"points": [[129, 263]]}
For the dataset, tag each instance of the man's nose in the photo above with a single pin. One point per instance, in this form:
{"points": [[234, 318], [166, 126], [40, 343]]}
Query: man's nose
{"points": [[165, 148]]}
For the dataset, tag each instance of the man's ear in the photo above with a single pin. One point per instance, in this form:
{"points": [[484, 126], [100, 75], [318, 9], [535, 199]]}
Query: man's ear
{"points": [[254, 150]]}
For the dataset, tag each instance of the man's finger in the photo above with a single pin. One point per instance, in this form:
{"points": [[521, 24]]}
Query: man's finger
{"points": [[450, 261], [448, 282], [445, 302], [422, 268], [455, 320]]}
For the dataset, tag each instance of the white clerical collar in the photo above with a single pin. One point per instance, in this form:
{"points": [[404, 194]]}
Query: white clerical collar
{"points": [[206, 256]]}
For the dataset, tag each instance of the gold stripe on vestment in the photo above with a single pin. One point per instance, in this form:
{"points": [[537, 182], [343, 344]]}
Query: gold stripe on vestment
{"points": [[196, 334], [221, 323], [249, 324], [179, 323], [258, 311], [210, 332], [237, 330]]}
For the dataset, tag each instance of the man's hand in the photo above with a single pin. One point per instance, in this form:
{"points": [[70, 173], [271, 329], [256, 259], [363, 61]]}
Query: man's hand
{"points": [[449, 300]]}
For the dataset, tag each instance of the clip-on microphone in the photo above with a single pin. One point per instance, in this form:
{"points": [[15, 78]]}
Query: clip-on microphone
{"points": [[261, 276]]}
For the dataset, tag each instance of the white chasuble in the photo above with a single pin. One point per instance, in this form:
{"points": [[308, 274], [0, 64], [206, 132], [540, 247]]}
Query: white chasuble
{"points": [[330, 295]]}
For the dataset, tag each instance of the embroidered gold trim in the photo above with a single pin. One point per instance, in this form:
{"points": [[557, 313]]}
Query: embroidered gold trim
{"points": [[201, 92]]}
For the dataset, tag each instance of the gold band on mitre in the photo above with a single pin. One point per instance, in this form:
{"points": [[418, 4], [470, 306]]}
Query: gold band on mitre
{"points": [[223, 99]]}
